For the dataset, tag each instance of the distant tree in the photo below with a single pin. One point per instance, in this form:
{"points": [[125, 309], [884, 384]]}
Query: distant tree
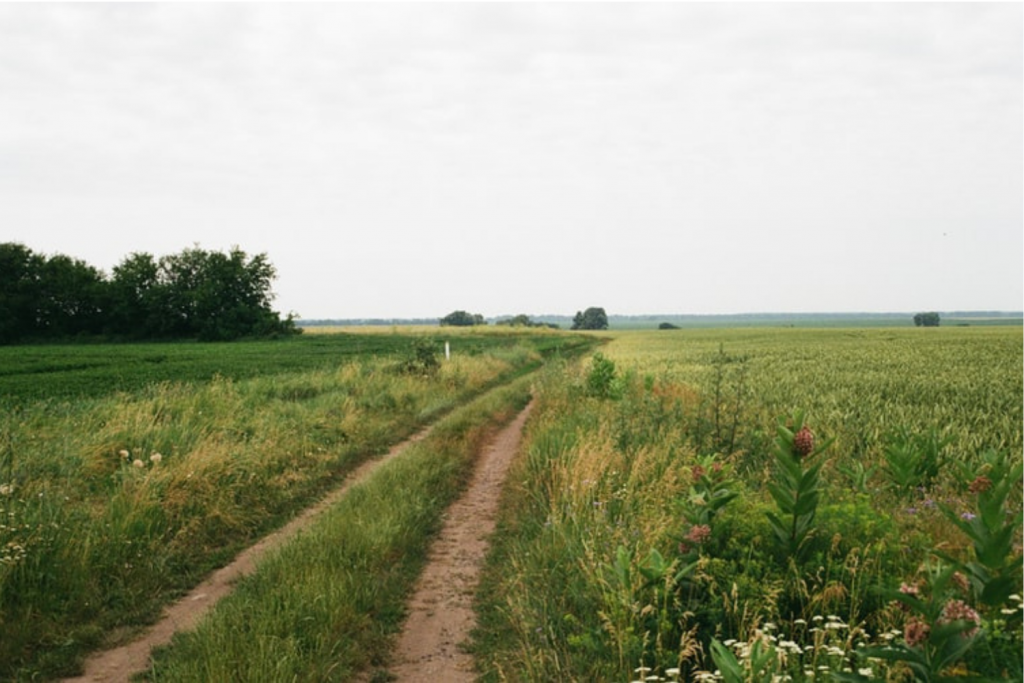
{"points": [[930, 319], [462, 319], [217, 297], [194, 294], [590, 319], [20, 283], [139, 299], [73, 298], [668, 326]]}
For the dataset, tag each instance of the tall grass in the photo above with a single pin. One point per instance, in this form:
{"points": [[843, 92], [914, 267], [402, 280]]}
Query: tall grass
{"points": [[109, 507], [610, 567], [326, 605]]}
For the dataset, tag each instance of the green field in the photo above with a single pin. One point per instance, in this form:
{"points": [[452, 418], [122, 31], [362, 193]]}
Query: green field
{"points": [[667, 515], [128, 472], [662, 523], [58, 371]]}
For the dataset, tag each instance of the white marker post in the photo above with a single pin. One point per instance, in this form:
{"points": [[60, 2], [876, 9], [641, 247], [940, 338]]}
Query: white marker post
{"points": [[447, 351]]}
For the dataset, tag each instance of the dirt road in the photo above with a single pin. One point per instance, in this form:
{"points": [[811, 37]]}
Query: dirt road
{"points": [[441, 613]]}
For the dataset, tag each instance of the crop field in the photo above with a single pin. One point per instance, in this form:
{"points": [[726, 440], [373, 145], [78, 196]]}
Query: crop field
{"points": [[671, 518], [127, 472], [56, 372], [744, 504]]}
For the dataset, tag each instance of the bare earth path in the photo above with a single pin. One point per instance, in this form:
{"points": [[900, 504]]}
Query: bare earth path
{"points": [[441, 614], [120, 663]]}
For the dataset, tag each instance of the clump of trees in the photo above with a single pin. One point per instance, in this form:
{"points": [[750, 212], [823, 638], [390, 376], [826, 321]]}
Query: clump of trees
{"points": [[930, 319], [591, 319], [195, 294], [523, 320], [462, 319]]}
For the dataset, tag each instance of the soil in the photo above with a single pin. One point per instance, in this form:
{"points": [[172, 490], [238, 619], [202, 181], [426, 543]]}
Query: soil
{"points": [[440, 612]]}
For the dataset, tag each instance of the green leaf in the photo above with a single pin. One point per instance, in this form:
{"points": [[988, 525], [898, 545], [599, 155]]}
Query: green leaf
{"points": [[726, 662]]}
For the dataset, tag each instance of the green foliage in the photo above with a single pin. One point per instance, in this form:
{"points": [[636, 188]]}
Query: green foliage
{"points": [[930, 319], [914, 460], [788, 594], [995, 569], [195, 294], [328, 604], [462, 319], [422, 358], [601, 378], [98, 531], [591, 319], [796, 487]]}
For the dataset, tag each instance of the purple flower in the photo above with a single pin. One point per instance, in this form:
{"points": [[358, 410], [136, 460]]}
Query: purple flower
{"points": [[967, 516]]}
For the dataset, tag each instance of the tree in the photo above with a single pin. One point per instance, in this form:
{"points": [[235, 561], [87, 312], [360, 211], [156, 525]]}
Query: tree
{"points": [[20, 276], [590, 319], [73, 298], [462, 319], [926, 319]]}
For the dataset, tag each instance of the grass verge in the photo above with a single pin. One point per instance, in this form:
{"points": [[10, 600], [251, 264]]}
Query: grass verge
{"points": [[326, 605]]}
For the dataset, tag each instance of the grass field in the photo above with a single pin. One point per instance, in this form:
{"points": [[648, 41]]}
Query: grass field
{"points": [[666, 520], [668, 517], [70, 371], [129, 478]]}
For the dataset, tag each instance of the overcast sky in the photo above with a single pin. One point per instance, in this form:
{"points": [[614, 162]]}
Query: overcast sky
{"points": [[407, 160]]}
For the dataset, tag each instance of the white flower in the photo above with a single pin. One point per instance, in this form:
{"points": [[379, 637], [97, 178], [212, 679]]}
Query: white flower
{"points": [[138, 463], [124, 454], [155, 458], [6, 489], [866, 672]]}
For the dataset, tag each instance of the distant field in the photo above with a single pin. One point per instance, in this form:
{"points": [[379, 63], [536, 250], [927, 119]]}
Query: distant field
{"points": [[32, 372]]}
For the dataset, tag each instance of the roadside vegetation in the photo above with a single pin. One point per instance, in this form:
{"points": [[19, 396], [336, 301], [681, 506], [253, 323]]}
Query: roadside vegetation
{"points": [[766, 505], [328, 604], [112, 504]]}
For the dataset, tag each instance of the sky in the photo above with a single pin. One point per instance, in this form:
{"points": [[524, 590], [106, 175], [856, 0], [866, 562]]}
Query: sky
{"points": [[400, 160]]}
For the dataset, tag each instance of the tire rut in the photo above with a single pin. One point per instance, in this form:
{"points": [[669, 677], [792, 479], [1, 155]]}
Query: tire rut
{"points": [[119, 664]]}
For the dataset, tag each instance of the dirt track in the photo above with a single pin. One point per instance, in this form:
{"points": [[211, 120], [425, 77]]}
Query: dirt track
{"points": [[440, 613], [119, 664], [441, 610]]}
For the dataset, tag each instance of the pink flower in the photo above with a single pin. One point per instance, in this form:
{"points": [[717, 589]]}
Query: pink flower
{"points": [[698, 472], [958, 610], [980, 485], [698, 534], [915, 632]]}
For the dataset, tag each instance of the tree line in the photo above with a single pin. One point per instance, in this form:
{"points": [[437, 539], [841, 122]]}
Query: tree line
{"points": [[194, 294]]}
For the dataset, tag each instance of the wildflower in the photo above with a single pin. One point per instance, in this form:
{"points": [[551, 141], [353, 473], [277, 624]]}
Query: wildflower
{"points": [[866, 671], [968, 516], [698, 472], [915, 632], [124, 454], [6, 489], [911, 590], [684, 549], [138, 464], [155, 458], [960, 581], [980, 484], [803, 442], [716, 467], [958, 610], [698, 534]]}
